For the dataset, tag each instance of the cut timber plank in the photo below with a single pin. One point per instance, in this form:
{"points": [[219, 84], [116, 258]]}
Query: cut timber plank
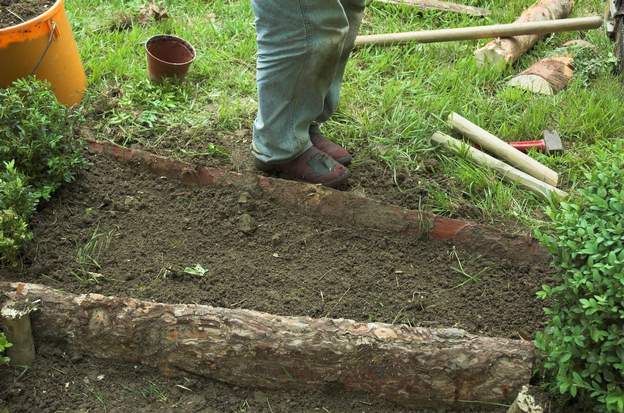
{"points": [[442, 5], [410, 365], [548, 76], [507, 172], [507, 50], [502, 149]]}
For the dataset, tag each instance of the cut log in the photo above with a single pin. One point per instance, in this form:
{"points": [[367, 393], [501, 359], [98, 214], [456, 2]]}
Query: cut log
{"points": [[502, 149], [507, 50], [442, 5], [507, 172], [548, 76], [15, 319], [412, 366]]}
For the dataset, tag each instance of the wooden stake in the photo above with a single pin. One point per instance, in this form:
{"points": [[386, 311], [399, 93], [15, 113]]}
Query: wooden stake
{"points": [[548, 76], [495, 145], [442, 5], [509, 49], [16, 324], [507, 172], [410, 365], [534, 29]]}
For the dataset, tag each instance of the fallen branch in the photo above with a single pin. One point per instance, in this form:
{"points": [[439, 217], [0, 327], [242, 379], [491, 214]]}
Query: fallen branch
{"points": [[442, 5], [412, 366], [508, 50]]}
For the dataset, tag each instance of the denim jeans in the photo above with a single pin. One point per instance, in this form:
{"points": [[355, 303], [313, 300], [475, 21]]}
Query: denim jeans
{"points": [[303, 48]]}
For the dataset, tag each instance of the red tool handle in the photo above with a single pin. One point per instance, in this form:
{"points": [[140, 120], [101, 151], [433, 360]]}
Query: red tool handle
{"points": [[524, 146]]}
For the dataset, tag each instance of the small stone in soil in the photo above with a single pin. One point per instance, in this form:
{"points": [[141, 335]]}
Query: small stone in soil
{"points": [[246, 224], [276, 239]]}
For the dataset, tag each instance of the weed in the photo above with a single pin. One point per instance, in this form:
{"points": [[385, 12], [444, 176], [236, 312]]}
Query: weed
{"points": [[4, 344], [152, 391], [197, 270], [88, 255]]}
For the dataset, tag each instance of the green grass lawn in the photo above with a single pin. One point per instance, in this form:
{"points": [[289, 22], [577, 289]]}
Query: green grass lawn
{"points": [[394, 98]]}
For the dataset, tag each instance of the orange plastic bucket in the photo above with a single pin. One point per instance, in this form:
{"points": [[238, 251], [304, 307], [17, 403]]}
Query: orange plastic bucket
{"points": [[44, 46]]}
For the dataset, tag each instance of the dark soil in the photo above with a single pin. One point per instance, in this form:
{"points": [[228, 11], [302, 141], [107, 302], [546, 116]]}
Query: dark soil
{"points": [[61, 383], [14, 12], [121, 231]]}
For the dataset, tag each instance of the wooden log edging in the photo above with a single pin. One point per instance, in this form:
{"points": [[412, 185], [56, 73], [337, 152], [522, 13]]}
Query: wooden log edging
{"points": [[345, 208], [412, 366]]}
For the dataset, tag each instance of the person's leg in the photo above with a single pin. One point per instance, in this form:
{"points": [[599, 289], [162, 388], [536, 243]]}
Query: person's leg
{"points": [[354, 10], [300, 47]]}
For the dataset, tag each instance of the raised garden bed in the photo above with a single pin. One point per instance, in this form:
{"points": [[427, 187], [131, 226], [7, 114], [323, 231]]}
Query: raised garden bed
{"points": [[294, 250]]}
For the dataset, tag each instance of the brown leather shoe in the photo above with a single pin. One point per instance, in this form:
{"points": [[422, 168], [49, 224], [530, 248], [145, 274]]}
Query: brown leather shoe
{"points": [[336, 151], [312, 166]]}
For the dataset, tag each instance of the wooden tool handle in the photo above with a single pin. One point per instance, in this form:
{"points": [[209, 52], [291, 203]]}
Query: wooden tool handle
{"points": [[507, 172], [483, 32], [502, 149]]}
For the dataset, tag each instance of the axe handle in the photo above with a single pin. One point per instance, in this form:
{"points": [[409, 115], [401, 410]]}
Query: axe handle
{"points": [[524, 146]]}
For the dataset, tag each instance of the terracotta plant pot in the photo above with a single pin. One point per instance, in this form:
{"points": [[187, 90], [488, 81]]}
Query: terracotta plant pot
{"points": [[168, 56]]}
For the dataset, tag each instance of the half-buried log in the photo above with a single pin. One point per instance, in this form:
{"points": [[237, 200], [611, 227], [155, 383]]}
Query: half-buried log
{"points": [[508, 50], [548, 76], [413, 366]]}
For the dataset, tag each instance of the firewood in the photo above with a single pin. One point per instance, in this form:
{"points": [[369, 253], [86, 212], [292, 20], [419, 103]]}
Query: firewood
{"points": [[507, 50]]}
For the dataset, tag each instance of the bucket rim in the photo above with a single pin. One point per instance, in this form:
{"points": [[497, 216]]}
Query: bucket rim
{"points": [[42, 18], [173, 37]]}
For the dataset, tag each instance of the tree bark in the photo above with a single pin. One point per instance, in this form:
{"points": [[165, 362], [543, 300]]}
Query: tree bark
{"points": [[409, 365], [508, 50], [442, 5], [548, 76]]}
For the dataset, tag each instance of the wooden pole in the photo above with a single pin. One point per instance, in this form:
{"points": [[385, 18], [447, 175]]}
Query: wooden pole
{"points": [[493, 144], [15, 319], [410, 365], [482, 32], [505, 51], [442, 5], [507, 172]]}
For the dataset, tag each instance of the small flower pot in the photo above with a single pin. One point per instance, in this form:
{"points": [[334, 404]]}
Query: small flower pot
{"points": [[168, 57]]}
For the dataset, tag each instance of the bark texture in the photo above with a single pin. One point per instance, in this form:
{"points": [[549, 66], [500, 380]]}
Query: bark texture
{"points": [[508, 50], [548, 76], [442, 5], [409, 365]]}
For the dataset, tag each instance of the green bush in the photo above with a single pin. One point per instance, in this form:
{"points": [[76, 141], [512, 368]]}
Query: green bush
{"points": [[38, 153], [17, 203], [4, 344], [37, 133], [583, 342]]}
